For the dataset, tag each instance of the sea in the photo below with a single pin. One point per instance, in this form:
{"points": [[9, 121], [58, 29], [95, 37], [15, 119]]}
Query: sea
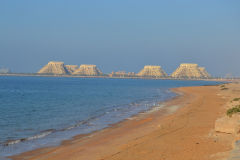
{"points": [[37, 112]]}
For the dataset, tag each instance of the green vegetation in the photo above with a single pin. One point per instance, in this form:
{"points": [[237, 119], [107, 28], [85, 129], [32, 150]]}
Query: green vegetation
{"points": [[224, 88], [236, 99], [233, 110]]}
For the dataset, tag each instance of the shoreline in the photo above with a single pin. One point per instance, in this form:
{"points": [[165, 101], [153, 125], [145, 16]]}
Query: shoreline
{"points": [[107, 77], [127, 132], [141, 115], [155, 108]]}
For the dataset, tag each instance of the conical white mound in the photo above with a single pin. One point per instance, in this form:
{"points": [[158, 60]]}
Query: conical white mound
{"points": [[189, 70], [88, 70], [53, 68], [71, 68], [152, 71]]}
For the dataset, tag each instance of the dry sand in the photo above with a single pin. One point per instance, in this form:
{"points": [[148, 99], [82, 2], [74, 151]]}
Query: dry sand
{"points": [[186, 134]]}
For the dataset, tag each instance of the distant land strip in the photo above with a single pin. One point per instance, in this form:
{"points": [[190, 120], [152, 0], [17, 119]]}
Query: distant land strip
{"points": [[107, 77]]}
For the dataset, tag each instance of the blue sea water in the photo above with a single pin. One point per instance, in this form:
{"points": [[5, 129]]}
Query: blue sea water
{"points": [[42, 111]]}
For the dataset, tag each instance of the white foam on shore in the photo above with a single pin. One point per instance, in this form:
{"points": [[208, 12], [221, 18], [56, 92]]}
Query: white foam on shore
{"points": [[39, 135], [156, 108], [173, 108]]}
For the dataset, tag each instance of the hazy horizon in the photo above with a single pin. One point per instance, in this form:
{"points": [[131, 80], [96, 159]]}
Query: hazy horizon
{"points": [[121, 35]]}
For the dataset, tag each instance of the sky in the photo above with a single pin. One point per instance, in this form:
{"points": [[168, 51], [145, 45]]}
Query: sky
{"points": [[121, 35]]}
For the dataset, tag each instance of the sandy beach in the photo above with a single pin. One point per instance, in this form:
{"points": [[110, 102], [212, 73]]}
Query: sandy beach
{"points": [[182, 130]]}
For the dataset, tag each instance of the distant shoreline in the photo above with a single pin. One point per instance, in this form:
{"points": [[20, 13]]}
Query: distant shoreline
{"points": [[135, 77]]}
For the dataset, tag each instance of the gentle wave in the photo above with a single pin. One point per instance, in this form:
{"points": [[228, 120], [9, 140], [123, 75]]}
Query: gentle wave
{"points": [[84, 122], [41, 135]]}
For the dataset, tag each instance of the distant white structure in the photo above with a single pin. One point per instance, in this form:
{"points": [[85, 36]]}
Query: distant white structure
{"points": [[4, 70], [152, 71], [190, 70]]}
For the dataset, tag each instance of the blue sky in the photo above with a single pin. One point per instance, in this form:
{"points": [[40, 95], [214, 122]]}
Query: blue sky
{"points": [[121, 35]]}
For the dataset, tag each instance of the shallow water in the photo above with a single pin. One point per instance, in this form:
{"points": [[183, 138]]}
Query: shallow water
{"points": [[42, 111]]}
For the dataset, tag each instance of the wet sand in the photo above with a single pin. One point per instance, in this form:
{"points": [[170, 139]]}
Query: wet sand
{"points": [[165, 134]]}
